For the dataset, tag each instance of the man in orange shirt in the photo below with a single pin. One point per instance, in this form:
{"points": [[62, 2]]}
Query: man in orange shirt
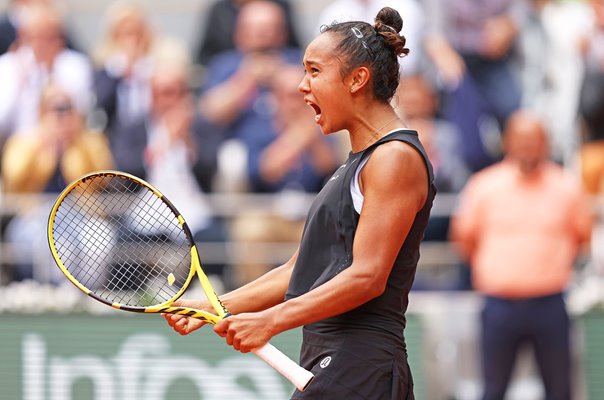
{"points": [[520, 225]]}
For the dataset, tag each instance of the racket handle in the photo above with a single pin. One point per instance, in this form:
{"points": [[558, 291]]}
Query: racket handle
{"points": [[297, 375]]}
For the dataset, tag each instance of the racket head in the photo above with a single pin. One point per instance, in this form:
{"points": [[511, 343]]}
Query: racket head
{"points": [[109, 220], [119, 240]]}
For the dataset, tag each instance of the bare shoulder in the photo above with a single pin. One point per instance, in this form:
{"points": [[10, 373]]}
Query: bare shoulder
{"points": [[396, 169], [398, 157]]}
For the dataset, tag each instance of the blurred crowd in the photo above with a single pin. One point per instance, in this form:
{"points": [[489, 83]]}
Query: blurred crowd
{"points": [[227, 116]]}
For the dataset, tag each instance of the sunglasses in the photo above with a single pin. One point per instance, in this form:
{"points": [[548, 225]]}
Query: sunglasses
{"points": [[61, 108]]}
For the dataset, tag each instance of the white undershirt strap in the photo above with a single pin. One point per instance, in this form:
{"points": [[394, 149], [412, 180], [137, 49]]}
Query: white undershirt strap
{"points": [[355, 189]]}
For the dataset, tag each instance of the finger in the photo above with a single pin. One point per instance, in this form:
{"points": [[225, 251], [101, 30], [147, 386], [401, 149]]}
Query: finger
{"points": [[184, 326], [168, 318], [182, 323], [221, 328], [230, 336], [172, 319]]}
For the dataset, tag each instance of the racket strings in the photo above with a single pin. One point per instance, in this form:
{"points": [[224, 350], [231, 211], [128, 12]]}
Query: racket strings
{"points": [[78, 221], [118, 239], [131, 279], [65, 242]]}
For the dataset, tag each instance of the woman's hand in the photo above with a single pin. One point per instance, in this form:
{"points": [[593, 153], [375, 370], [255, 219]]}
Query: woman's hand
{"points": [[183, 324], [247, 331]]}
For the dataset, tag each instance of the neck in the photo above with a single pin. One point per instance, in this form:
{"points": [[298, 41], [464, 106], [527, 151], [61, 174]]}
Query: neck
{"points": [[369, 130], [528, 171]]}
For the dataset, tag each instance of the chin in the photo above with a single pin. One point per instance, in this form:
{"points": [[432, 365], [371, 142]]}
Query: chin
{"points": [[327, 131]]}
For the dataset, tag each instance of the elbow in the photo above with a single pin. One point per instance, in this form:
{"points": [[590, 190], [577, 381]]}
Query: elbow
{"points": [[376, 290], [371, 286], [368, 278]]}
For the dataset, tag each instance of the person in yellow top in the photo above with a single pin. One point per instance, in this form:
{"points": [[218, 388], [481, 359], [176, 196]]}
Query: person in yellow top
{"points": [[58, 150], [44, 160]]}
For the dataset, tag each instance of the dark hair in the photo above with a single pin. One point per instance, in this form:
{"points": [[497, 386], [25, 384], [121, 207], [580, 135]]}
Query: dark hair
{"points": [[377, 46]]}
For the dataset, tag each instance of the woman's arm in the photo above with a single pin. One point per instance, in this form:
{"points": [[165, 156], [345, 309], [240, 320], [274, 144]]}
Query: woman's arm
{"points": [[260, 294], [395, 187]]}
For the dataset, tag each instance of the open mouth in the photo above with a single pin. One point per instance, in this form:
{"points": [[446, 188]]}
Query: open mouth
{"points": [[316, 109]]}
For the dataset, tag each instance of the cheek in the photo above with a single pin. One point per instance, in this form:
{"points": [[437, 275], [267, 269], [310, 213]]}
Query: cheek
{"points": [[329, 93]]}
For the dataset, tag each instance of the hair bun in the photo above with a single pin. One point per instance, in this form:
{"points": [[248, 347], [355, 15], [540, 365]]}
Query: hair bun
{"points": [[388, 24], [389, 18]]}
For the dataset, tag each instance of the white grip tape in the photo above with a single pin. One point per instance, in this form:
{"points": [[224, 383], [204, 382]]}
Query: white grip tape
{"points": [[297, 375]]}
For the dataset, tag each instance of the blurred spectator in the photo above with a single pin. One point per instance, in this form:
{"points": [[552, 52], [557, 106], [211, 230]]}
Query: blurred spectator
{"points": [[535, 48], [237, 91], [10, 21], [365, 10], [124, 60], [550, 83], [44, 160], [220, 20], [174, 149], [40, 56], [591, 163], [591, 168], [591, 104], [418, 106], [520, 225], [471, 45], [591, 111]]}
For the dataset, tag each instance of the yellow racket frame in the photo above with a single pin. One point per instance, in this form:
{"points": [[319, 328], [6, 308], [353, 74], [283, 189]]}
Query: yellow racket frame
{"points": [[165, 307]]}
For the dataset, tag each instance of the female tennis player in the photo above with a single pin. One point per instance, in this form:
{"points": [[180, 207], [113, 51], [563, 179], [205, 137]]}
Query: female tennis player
{"points": [[348, 282]]}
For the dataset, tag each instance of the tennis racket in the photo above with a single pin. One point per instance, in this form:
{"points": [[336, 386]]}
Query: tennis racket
{"points": [[120, 241]]}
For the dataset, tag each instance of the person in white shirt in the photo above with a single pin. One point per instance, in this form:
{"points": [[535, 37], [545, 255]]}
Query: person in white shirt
{"points": [[40, 56]]}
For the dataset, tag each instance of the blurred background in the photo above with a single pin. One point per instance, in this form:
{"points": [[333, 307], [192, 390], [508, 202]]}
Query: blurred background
{"points": [[200, 99]]}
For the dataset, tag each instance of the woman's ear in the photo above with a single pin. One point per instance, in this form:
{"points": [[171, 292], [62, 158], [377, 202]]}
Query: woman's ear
{"points": [[358, 78]]}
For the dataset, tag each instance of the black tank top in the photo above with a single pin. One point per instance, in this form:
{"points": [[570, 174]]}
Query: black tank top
{"points": [[326, 248]]}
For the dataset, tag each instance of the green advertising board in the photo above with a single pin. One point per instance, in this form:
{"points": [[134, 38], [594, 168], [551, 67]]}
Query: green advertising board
{"points": [[592, 325], [123, 356], [132, 357]]}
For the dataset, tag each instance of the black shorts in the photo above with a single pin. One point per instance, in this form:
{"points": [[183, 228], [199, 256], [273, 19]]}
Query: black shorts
{"points": [[354, 366]]}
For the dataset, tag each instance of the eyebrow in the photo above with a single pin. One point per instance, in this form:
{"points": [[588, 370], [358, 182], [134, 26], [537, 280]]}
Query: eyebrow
{"points": [[310, 62]]}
